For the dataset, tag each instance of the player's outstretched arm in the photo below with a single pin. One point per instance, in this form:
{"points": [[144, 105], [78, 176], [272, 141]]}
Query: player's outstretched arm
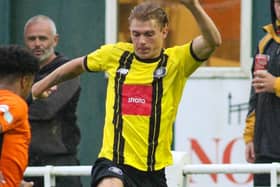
{"points": [[44, 87]]}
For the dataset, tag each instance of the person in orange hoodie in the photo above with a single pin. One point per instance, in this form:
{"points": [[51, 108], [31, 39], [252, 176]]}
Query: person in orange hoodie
{"points": [[17, 69]]}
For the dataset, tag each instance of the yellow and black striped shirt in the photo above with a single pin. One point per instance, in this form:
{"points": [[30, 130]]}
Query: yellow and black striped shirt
{"points": [[142, 102]]}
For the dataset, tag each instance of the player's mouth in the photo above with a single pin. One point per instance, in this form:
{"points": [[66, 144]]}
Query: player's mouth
{"points": [[143, 50]]}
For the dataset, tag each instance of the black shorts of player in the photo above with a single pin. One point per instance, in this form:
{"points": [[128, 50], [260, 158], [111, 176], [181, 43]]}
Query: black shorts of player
{"points": [[130, 176]]}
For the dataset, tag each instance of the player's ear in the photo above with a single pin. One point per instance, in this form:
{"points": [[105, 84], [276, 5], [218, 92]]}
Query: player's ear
{"points": [[26, 82], [165, 31], [56, 39]]}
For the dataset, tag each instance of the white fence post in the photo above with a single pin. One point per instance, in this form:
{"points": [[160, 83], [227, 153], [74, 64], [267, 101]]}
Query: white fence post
{"points": [[273, 174], [185, 180], [49, 179], [174, 173]]}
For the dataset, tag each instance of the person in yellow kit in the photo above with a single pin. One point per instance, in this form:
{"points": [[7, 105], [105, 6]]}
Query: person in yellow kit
{"points": [[145, 84], [261, 133], [17, 70]]}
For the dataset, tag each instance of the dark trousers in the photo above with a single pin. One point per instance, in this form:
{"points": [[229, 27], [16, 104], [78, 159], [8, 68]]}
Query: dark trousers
{"points": [[57, 160], [263, 180]]}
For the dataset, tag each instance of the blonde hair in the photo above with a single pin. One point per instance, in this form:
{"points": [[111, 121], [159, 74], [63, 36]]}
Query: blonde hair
{"points": [[147, 11]]}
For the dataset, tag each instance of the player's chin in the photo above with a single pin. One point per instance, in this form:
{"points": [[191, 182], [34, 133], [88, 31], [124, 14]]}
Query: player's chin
{"points": [[144, 55]]}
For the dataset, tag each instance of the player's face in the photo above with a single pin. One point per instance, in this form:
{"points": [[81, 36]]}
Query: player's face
{"points": [[147, 38], [277, 8], [40, 40]]}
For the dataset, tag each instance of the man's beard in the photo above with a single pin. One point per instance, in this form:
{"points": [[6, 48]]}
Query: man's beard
{"points": [[46, 55]]}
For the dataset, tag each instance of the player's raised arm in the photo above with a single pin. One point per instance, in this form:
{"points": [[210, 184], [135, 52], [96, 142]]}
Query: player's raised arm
{"points": [[210, 38], [65, 72]]}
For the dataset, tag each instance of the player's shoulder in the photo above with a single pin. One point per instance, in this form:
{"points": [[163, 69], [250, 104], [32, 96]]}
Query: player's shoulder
{"points": [[118, 47], [12, 99], [13, 103], [174, 50]]}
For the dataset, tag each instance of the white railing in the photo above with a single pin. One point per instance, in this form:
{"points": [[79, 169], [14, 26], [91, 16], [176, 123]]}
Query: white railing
{"points": [[174, 173], [50, 172], [273, 169], [177, 174]]}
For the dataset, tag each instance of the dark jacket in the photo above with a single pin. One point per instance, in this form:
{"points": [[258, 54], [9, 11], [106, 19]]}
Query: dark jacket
{"points": [[267, 105], [53, 120]]}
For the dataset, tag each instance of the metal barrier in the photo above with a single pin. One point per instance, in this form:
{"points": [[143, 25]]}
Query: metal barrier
{"points": [[174, 174], [273, 169], [177, 174], [50, 172]]}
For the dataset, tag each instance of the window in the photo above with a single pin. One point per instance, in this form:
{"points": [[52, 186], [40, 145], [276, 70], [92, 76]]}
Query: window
{"points": [[232, 58]]}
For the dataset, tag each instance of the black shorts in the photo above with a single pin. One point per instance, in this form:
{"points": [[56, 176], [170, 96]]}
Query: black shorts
{"points": [[130, 176]]}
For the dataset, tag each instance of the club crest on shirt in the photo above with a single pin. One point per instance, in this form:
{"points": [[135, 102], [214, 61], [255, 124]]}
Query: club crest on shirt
{"points": [[160, 72], [115, 170], [8, 117], [122, 71]]}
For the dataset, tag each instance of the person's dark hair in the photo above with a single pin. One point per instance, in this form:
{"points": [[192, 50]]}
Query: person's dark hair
{"points": [[17, 61], [147, 11], [272, 12]]}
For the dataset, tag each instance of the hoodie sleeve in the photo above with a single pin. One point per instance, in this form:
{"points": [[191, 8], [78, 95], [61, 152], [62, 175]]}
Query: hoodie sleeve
{"points": [[248, 134], [277, 87], [46, 109]]}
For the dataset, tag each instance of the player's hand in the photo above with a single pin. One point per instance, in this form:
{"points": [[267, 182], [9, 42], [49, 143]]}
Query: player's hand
{"points": [[26, 184], [43, 95]]}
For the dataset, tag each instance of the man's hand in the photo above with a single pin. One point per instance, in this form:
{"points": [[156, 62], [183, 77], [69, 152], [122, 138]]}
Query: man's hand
{"points": [[26, 184], [249, 152], [263, 81]]}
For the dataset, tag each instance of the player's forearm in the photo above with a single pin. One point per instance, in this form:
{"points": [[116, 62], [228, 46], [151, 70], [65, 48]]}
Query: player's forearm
{"points": [[208, 29], [65, 72]]}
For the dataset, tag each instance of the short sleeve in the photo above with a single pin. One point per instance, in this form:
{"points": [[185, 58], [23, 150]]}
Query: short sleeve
{"points": [[11, 113], [97, 60]]}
